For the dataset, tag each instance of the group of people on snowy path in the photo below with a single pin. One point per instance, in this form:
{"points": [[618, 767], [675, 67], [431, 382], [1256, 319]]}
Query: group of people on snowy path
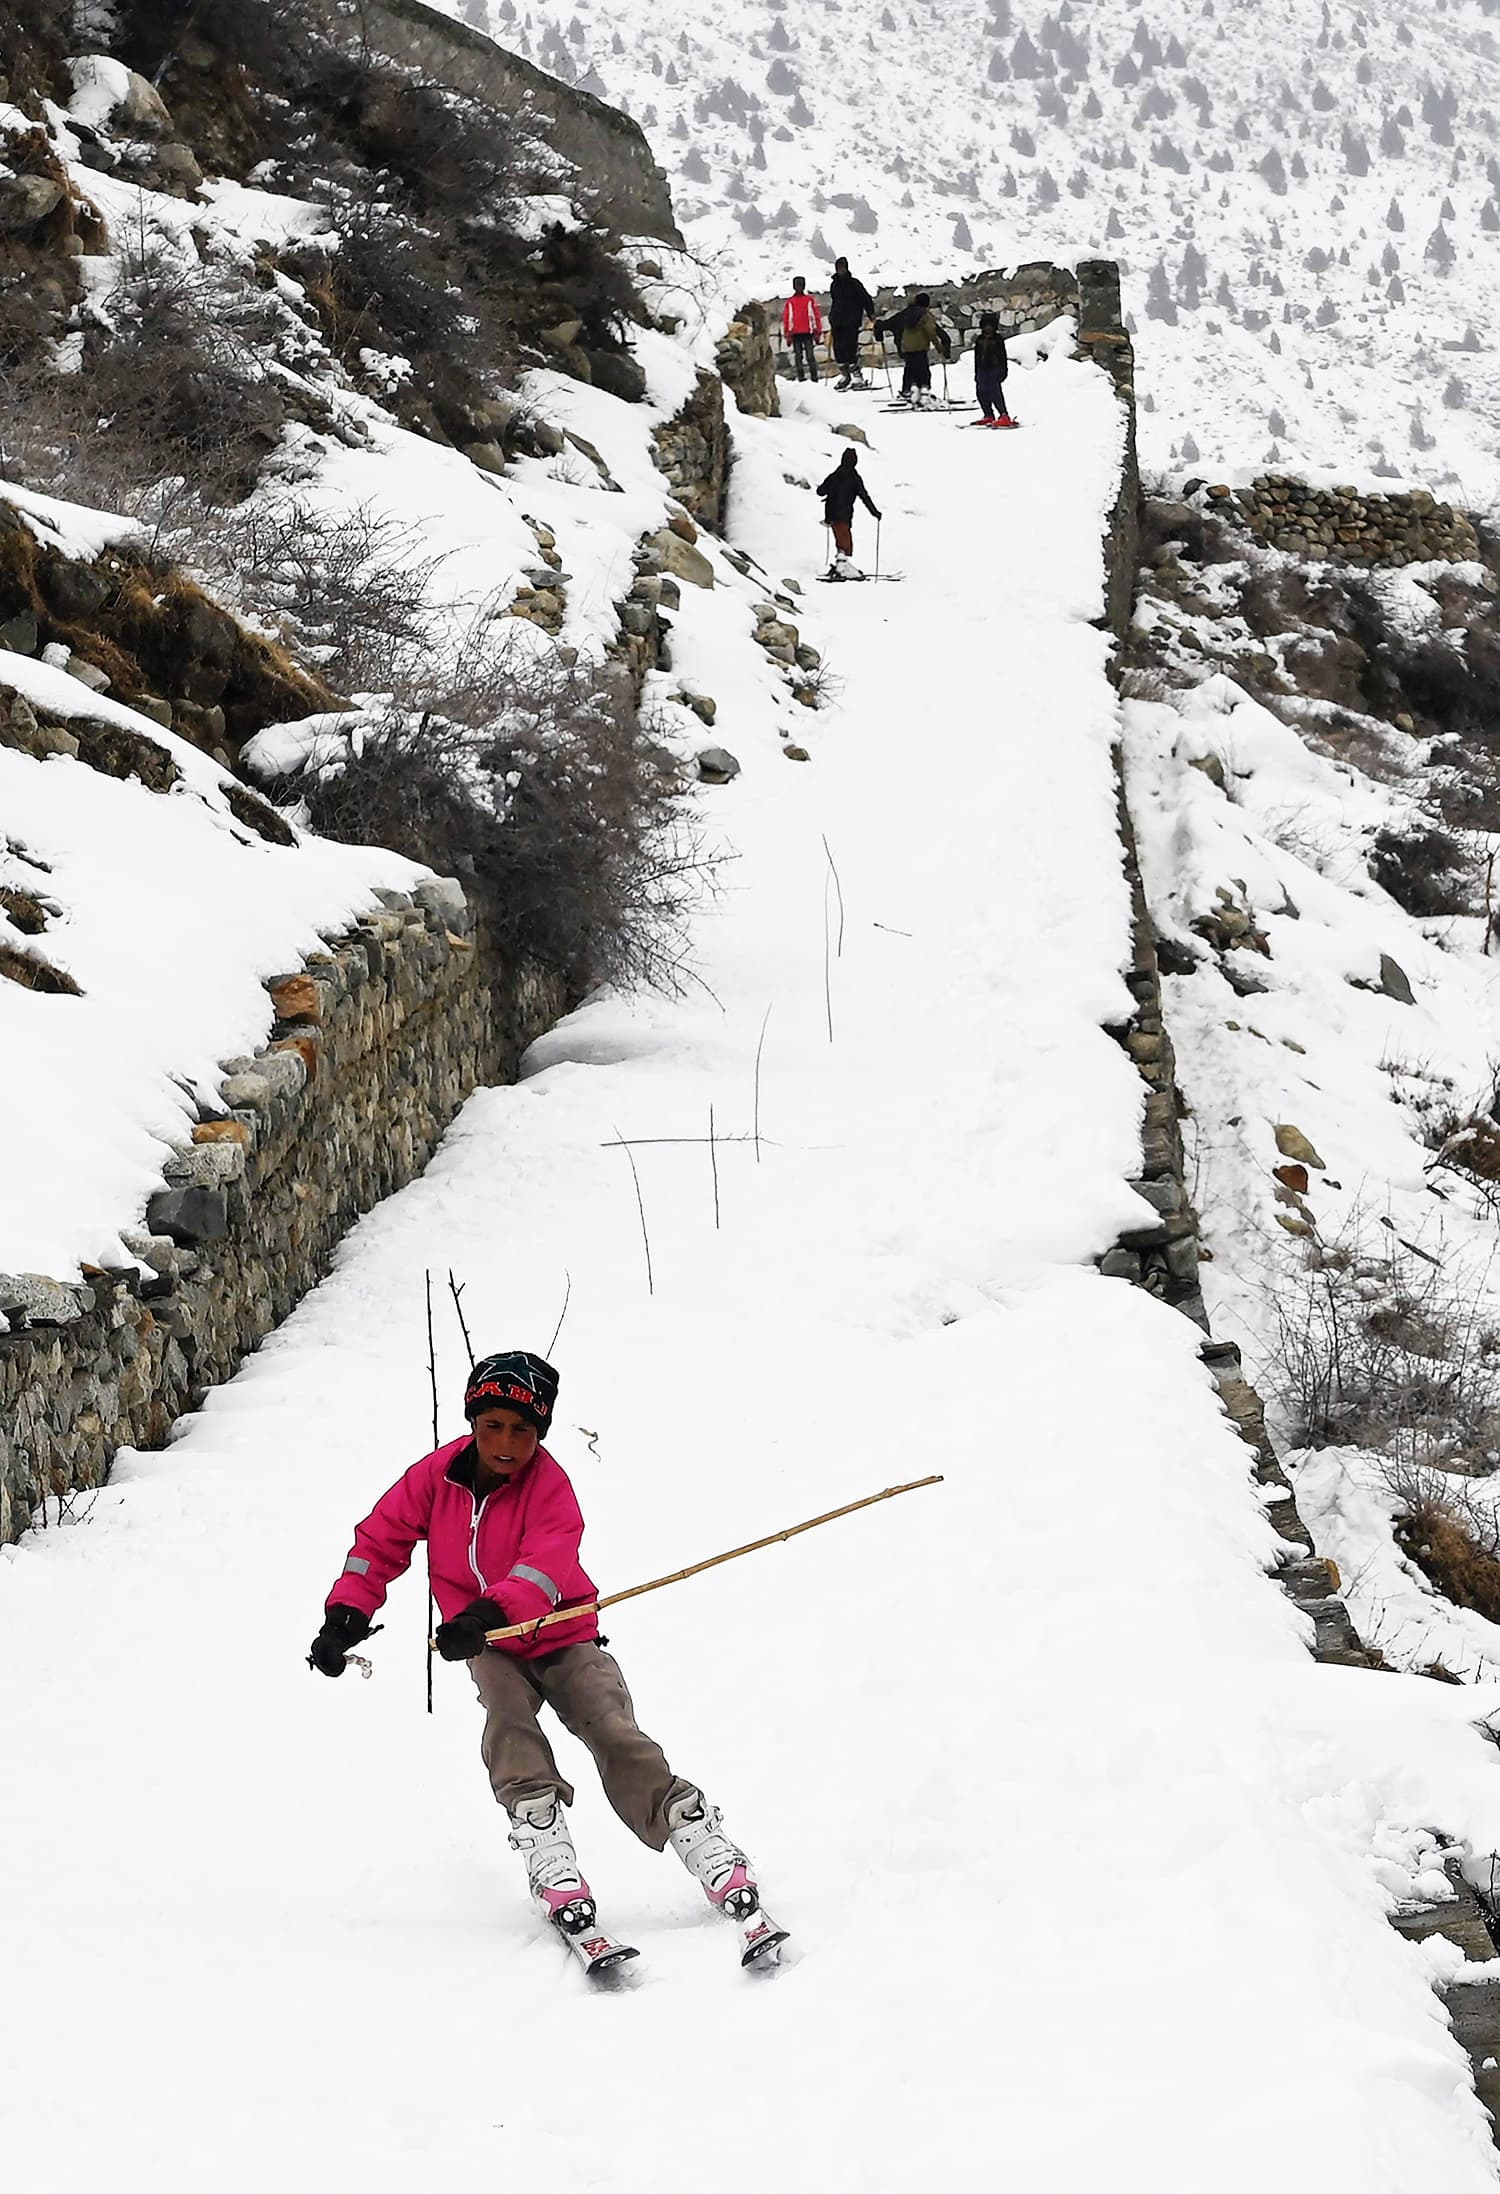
{"points": [[914, 330]]}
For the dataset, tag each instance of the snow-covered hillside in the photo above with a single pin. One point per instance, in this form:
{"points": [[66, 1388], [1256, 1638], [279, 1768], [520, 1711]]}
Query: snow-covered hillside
{"points": [[1034, 1763], [1305, 198]]}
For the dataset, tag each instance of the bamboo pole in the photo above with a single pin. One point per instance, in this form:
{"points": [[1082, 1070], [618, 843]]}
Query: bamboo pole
{"points": [[633, 1592]]}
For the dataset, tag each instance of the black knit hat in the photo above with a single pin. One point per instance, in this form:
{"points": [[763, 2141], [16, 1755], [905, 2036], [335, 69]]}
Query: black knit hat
{"points": [[516, 1380]]}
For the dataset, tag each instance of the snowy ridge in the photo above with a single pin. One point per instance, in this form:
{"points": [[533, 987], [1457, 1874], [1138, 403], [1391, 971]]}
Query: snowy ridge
{"points": [[1327, 1045], [1304, 200]]}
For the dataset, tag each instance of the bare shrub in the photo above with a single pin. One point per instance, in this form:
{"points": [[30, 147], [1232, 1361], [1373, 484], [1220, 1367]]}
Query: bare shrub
{"points": [[541, 789], [170, 401], [1389, 1353], [350, 589], [1426, 870]]}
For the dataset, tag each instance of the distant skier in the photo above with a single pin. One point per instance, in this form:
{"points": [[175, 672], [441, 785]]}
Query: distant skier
{"points": [[840, 492], [914, 331], [991, 363], [498, 1512], [850, 305], [802, 325]]}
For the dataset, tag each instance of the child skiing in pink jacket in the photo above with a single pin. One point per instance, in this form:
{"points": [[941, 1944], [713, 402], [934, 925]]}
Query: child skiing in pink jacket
{"points": [[502, 1526]]}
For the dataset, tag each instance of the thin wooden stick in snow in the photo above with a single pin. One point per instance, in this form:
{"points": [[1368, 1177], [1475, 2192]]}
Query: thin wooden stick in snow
{"points": [[433, 1382], [567, 1298], [456, 1291], [640, 1205], [760, 1047], [838, 887]]}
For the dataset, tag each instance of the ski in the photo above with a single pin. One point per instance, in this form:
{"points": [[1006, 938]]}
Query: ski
{"points": [[760, 1940], [1006, 426], [597, 1952], [953, 404], [859, 578]]}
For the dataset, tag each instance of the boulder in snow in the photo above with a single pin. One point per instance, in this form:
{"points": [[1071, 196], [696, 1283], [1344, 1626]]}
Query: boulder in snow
{"points": [[681, 558], [717, 766], [1292, 1143]]}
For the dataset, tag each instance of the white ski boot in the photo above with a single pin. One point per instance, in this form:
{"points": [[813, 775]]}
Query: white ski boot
{"points": [[696, 1834], [539, 1831], [844, 567], [842, 382]]}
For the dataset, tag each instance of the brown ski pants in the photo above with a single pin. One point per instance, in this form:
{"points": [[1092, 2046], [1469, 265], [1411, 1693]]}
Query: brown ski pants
{"points": [[585, 1689]]}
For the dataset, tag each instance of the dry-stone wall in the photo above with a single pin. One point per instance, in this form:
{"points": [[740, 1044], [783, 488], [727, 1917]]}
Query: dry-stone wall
{"points": [[692, 449], [1024, 298], [746, 360], [1343, 525], [1161, 1255], [616, 172], [375, 1045]]}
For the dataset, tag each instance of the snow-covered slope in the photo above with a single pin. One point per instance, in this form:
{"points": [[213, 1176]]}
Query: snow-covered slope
{"points": [[1305, 198], [1034, 1763]]}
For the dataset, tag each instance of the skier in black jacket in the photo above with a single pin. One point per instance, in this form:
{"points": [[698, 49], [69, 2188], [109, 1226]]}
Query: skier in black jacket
{"points": [[990, 364], [840, 492], [849, 306]]}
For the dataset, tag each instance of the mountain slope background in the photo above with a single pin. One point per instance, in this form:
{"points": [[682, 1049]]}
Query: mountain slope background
{"points": [[1305, 200]]}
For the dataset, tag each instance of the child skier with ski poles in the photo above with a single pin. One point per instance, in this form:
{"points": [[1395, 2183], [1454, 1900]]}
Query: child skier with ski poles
{"points": [[502, 1526], [802, 325], [914, 331], [840, 491], [850, 305], [990, 365]]}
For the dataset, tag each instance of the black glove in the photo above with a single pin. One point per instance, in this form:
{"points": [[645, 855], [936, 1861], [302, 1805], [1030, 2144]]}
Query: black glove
{"points": [[874, 513], [343, 1628], [461, 1639]]}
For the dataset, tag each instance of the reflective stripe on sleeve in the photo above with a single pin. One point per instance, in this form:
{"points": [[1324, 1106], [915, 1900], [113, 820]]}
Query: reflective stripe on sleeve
{"points": [[539, 1578], [356, 1566]]}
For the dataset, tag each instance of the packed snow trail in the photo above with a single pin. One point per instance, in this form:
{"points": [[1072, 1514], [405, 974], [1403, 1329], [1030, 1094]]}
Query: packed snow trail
{"points": [[1071, 1835]]}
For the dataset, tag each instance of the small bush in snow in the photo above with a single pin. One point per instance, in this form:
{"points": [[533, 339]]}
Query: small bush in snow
{"points": [[542, 790], [1388, 1353]]}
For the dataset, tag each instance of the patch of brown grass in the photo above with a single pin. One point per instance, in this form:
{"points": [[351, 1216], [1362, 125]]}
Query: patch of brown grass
{"points": [[25, 913], [1445, 1550], [32, 972]]}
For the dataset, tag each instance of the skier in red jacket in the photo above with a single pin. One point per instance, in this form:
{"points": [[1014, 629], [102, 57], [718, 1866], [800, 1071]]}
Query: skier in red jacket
{"points": [[502, 1526], [802, 326]]}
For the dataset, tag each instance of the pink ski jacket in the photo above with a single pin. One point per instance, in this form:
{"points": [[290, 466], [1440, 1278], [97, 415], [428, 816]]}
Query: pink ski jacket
{"points": [[518, 1546]]}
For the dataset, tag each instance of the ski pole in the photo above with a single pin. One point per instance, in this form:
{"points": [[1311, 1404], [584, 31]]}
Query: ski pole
{"points": [[774, 1538], [945, 377], [877, 548]]}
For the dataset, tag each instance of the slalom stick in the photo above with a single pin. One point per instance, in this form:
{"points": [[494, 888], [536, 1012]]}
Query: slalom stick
{"points": [[774, 1538]]}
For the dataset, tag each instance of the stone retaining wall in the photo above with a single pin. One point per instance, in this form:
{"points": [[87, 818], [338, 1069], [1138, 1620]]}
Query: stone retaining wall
{"points": [[617, 176], [1341, 525], [375, 1046], [692, 449], [1162, 1254]]}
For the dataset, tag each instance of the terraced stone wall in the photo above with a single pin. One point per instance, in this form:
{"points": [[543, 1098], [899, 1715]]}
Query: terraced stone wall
{"points": [[375, 1045]]}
